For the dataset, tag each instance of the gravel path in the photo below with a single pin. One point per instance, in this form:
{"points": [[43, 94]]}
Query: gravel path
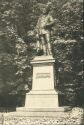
{"points": [[73, 117]]}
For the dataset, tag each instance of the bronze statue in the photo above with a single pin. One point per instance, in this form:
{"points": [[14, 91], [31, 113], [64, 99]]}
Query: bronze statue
{"points": [[43, 31]]}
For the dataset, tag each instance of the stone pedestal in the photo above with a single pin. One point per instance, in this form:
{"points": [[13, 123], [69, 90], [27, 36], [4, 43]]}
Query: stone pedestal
{"points": [[42, 99], [42, 94]]}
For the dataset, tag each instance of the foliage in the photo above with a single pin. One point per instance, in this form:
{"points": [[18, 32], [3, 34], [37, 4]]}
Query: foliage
{"points": [[69, 70]]}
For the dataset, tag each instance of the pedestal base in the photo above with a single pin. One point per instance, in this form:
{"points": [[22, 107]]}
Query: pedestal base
{"points": [[42, 104], [41, 99]]}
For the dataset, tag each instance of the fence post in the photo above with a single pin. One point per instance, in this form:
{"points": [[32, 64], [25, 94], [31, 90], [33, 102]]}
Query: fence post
{"points": [[2, 119]]}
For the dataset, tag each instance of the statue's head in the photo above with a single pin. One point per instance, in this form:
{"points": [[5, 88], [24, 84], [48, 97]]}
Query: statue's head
{"points": [[47, 8]]}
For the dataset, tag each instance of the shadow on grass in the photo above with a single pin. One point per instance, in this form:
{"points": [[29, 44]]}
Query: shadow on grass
{"points": [[11, 103], [7, 109]]}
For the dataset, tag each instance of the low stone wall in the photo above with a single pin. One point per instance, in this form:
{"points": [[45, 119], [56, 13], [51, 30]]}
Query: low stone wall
{"points": [[73, 117]]}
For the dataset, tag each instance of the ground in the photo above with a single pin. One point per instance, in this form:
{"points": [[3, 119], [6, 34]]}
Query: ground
{"points": [[72, 117]]}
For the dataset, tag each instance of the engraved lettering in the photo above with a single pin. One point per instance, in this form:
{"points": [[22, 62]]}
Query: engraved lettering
{"points": [[42, 75]]}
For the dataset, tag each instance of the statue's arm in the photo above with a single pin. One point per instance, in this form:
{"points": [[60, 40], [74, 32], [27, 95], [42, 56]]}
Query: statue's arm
{"points": [[50, 23], [37, 27]]}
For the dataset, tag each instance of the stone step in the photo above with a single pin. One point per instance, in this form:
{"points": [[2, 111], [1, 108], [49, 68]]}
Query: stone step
{"points": [[50, 112]]}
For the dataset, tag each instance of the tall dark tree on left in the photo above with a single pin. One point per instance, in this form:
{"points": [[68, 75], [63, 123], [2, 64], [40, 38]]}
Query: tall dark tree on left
{"points": [[14, 52]]}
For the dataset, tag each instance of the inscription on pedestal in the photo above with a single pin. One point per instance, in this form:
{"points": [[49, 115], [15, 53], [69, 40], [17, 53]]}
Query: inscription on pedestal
{"points": [[42, 75]]}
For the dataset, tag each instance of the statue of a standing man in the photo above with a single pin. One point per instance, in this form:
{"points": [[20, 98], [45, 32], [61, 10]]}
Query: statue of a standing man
{"points": [[43, 30]]}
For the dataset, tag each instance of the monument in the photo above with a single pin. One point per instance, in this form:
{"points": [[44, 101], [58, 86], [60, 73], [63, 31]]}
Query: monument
{"points": [[42, 100], [43, 31]]}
